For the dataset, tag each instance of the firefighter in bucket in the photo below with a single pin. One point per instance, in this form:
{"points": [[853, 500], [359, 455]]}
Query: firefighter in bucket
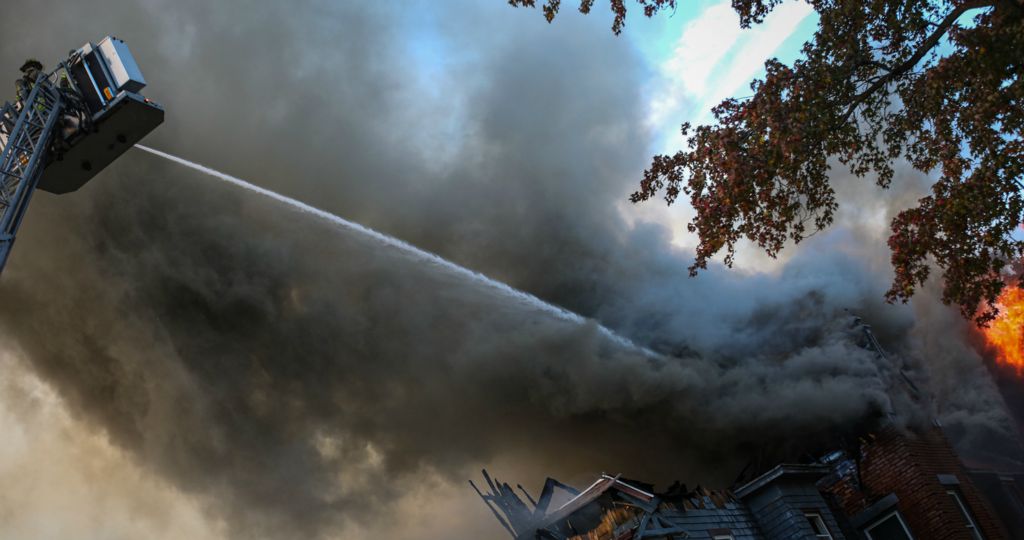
{"points": [[30, 72]]}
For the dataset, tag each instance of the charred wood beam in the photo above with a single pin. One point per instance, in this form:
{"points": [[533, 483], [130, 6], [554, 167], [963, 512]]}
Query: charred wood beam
{"points": [[541, 508], [527, 495], [497, 516]]}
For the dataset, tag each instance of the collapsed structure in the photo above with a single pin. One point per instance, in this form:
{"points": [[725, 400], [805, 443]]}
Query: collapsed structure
{"points": [[893, 486], [890, 484]]}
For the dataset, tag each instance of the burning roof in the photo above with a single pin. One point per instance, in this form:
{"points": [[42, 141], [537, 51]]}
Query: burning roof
{"points": [[612, 508], [1006, 332]]}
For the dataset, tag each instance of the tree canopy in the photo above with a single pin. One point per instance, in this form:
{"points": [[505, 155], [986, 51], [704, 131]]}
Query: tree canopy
{"points": [[936, 84]]}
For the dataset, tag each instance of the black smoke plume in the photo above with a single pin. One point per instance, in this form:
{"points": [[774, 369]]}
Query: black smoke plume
{"points": [[297, 380]]}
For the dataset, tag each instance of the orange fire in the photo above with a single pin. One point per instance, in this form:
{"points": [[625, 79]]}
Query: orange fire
{"points": [[1006, 333]]}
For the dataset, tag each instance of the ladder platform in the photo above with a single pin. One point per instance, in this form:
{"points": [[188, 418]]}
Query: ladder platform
{"points": [[118, 126]]}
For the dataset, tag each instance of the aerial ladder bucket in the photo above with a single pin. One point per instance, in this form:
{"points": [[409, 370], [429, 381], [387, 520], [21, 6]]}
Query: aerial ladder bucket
{"points": [[74, 122]]}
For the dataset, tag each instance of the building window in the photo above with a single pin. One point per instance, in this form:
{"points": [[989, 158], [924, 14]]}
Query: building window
{"points": [[1015, 494], [723, 537], [818, 525], [971, 525], [890, 527]]}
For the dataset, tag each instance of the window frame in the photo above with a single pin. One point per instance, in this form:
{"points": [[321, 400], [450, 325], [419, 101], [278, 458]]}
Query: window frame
{"points": [[815, 515], [877, 522], [971, 523], [1016, 495]]}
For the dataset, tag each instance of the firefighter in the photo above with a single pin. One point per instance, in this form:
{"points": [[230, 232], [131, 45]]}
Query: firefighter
{"points": [[30, 71]]}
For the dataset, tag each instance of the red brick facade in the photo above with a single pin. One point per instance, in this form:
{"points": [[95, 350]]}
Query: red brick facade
{"points": [[909, 465]]}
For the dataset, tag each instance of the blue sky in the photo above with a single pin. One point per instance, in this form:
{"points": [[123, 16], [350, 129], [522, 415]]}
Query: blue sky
{"points": [[698, 53], [700, 56]]}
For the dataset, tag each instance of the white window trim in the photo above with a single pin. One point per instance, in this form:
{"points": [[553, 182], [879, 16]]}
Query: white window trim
{"points": [[824, 526], [723, 537], [899, 518], [1015, 495], [971, 525]]}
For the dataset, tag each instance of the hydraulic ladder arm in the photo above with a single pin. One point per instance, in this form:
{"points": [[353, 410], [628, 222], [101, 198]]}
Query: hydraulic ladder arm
{"points": [[26, 136]]}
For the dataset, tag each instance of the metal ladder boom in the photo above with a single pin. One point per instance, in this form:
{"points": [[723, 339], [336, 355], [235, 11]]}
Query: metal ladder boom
{"points": [[25, 136]]}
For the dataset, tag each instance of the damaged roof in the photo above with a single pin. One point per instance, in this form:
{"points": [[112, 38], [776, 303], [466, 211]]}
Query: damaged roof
{"points": [[613, 508]]}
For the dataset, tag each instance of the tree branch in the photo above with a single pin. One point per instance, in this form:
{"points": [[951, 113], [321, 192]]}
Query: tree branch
{"points": [[928, 44], [875, 63]]}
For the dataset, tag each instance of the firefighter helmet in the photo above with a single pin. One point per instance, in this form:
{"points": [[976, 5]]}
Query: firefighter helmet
{"points": [[31, 63]]}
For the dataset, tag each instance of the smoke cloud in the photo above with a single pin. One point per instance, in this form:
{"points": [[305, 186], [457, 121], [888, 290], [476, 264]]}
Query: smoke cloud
{"points": [[273, 377]]}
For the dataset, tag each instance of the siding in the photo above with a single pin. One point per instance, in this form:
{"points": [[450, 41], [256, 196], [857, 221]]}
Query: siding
{"points": [[779, 509], [699, 522]]}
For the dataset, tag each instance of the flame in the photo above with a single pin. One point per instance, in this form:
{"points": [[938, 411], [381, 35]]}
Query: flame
{"points": [[1006, 333]]}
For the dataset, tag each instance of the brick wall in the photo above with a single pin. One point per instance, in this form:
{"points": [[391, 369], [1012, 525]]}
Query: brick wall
{"points": [[909, 465]]}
